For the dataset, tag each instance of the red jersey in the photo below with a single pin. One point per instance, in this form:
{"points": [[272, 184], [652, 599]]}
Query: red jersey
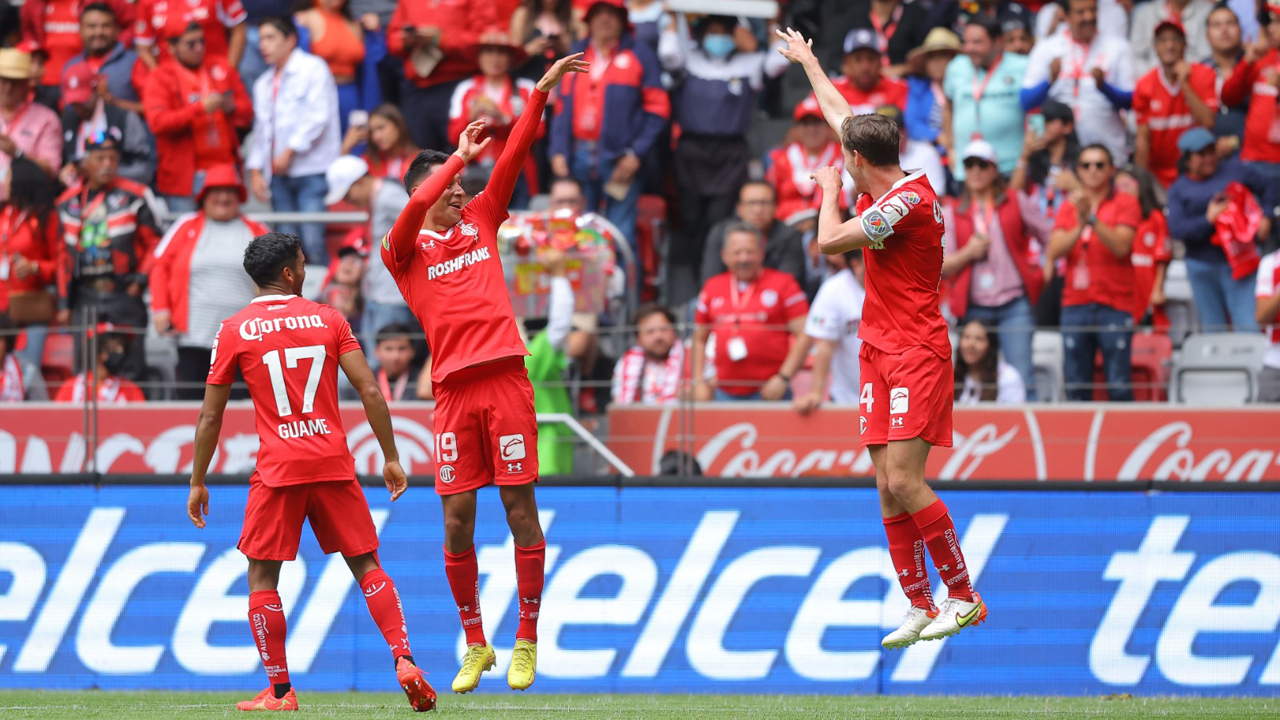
{"points": [[1150, 250], [1094, 273], [791, 172], [888, 91], [61, 37], [1163, 109], [1261, 142], [903, 307], [453, 282], [159, 20], [756, 314], [112, 391], [287, 350]]}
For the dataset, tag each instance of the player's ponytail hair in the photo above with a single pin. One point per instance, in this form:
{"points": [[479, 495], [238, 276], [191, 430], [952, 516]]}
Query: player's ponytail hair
{"points": [[875, 137]]}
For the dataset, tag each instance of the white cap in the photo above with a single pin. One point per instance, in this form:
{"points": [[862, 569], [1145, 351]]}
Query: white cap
{"points": [[980, 149], [341, 175]]}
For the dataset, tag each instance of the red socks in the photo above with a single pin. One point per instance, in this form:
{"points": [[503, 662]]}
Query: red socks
{"points": [[266, 621], [388, 614], [464, 581], [906, 548], [940, 535], [529, 566]]}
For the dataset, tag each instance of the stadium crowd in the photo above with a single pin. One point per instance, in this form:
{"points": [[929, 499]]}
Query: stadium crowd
{"points": [[1083, 147]]}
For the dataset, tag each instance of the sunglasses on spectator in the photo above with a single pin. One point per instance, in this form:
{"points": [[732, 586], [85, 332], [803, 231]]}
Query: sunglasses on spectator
{"points": [[1093, 165], [976, 164]]}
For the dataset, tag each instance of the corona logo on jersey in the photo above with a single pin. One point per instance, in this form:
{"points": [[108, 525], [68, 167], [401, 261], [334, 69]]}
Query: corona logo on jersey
{"points": [[255, 328], [464, 260]]}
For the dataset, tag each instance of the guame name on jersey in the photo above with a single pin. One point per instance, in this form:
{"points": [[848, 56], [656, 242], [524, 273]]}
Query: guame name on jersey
{"points": [[464, 260], [303, 428], [255, 328]]}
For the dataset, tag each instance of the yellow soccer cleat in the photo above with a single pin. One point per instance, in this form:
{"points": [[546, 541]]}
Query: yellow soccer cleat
{"points": [[524, 665], [478, 659]]}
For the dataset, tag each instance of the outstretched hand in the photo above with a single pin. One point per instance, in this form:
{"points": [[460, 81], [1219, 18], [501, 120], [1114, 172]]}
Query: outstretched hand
{"points": [[798, 50], [468, 147], [563, 66]]}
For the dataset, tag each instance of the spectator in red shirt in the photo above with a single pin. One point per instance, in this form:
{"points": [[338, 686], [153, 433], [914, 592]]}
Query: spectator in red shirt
{"points": [[390, 147], [864, 84], [1094, 231], [791, 167], [1151, 248], [758, 317], [32, 253], [437, 42], [124, 75], [223, 22], [499, 98], [104, 380], [1166, 101], [195, 105], [54, 27], [198, 278], [1257, 78], [608, 120], [27, 129]]}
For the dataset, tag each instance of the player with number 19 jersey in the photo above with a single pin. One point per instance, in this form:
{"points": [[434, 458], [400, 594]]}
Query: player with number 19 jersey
{"points": [[287, 348], [905, 361]]}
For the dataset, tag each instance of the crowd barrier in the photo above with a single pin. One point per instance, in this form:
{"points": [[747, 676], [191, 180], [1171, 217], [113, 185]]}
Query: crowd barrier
{"points": [[1080, 443], [679, 590]]}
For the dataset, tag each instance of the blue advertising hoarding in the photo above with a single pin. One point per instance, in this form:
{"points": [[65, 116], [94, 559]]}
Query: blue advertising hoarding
{"points": [[762, 590]]}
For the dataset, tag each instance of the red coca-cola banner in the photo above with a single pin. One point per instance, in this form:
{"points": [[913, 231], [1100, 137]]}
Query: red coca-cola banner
{"points": [[153, 438], [1086, 442]]}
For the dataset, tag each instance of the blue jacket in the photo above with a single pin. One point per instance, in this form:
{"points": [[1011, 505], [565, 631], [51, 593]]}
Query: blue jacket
{"points": [[118, 69], [1189, 199], [921, 105], [636, 107]]}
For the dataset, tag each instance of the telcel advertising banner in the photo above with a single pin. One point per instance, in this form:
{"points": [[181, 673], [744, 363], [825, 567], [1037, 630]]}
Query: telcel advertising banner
{"points": [[758, 590]]}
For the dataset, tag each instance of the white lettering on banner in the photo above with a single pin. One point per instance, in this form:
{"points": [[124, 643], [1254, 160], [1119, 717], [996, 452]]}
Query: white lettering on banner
{"points": [[1181, 463], [74, 578], [112, 448], [1196, 614], [784, 463], [211, 602], [825, 608], [28, 570], [706, 650], [93, 641], [1138, 573], [684, 587], [499, 587], [413, 440], [565, 607]]}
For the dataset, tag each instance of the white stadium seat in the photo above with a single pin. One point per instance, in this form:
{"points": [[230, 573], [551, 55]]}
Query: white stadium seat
{"points": [[1048, 358], [1219, 369]]}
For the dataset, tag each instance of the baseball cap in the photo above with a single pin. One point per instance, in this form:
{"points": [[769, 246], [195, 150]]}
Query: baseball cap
{"points": [[809, 108], [860, 39], [981, 150], [78, 84], [894, 113], [1195, 140], [1054, 110], [1170, 23], [341, 175], [108, 139]]}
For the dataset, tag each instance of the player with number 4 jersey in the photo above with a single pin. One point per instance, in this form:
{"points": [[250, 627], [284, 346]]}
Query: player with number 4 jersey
{"points": [[289, 349], [905, 362], [443, 253]]}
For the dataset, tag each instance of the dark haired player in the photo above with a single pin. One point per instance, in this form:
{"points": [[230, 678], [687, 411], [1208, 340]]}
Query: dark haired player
{"points": [[905, 361], [289, 349], [443, 253]]}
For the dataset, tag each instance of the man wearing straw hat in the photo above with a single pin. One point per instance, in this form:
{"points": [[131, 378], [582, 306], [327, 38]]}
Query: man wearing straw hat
{"points": [[26, 128]]}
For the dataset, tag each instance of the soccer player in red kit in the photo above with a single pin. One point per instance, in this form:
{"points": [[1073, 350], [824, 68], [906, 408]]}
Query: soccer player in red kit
{"points": [[289, 350], [443, 253], [906, 374]]}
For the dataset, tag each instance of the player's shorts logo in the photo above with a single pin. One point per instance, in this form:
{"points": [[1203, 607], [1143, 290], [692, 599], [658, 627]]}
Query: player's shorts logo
{"points": [[512, 447], [515, 467], [445, 473], [897, 421], [769, 298], [862, 424], [899, 398]]}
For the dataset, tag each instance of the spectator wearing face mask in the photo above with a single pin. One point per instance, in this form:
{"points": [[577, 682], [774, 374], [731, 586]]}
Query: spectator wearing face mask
{"points": [[105, 379]]}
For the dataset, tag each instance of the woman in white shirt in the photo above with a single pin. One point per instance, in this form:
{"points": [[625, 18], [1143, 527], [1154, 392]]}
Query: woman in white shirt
{"points": [[981, 374]]}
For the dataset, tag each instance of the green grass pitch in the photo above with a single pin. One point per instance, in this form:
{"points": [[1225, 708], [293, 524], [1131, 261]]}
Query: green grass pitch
{"points": [[144, 705]]}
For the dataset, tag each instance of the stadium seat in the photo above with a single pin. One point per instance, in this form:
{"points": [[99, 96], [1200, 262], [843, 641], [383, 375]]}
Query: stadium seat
{"points": [[59, 362], [1180, 305], [651, 236], [1047, 357], [1218, 369], [1150, 354]]}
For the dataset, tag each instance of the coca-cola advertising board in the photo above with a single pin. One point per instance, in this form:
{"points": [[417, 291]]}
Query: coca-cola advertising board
{"points": [[1086, 442]]}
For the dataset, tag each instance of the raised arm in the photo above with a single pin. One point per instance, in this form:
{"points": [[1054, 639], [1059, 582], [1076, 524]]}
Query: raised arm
{"points": [[834, 107], [835, 235]]}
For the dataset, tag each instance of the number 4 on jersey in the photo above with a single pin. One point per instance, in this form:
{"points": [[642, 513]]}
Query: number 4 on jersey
{"points": [[291, 357]]}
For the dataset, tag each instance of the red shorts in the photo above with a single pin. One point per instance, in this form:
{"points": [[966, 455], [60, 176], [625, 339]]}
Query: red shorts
{"points": [[338, 512], [905, 396], [485, 428]]}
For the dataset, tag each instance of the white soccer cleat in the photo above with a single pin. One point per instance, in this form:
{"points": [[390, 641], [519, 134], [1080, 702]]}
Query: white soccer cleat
{"points": [[916, 619], [954, 616]]}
